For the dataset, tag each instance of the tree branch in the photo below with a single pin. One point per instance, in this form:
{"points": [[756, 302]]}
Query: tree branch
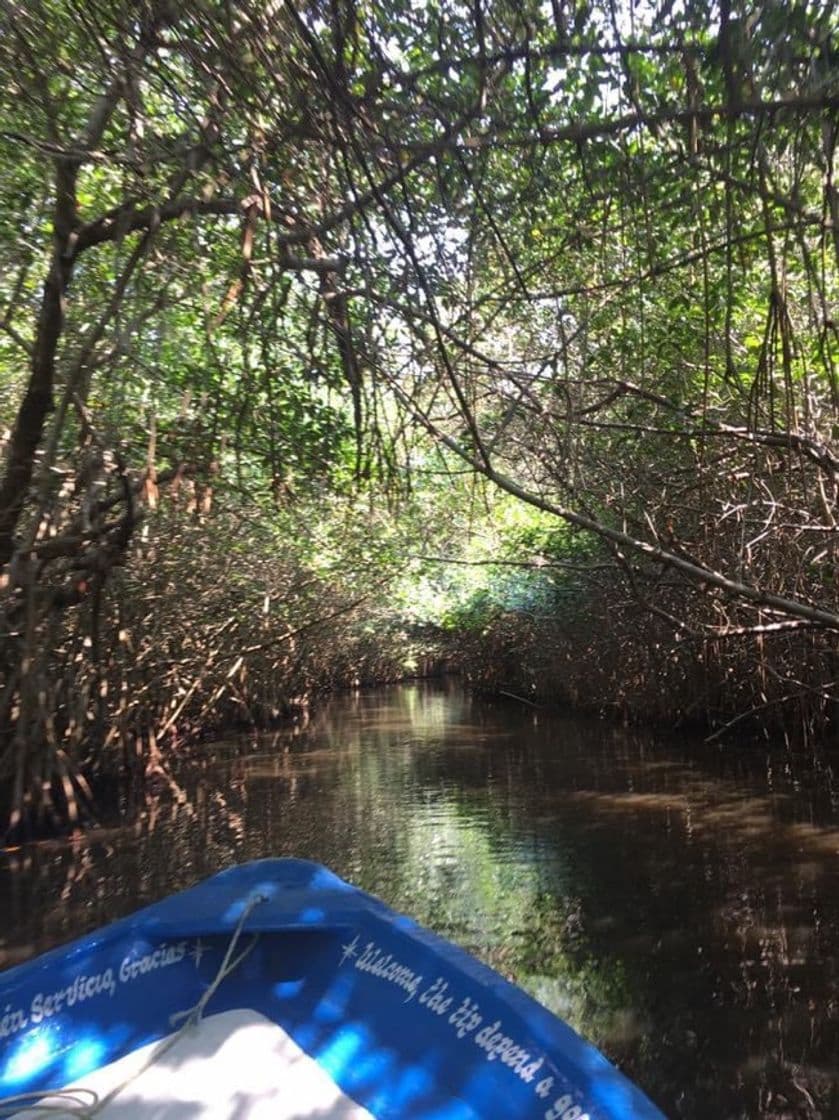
{"points": [[733, 589]]}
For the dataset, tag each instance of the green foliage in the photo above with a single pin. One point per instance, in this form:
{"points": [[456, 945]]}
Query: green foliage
{"points": [[306, 264]]}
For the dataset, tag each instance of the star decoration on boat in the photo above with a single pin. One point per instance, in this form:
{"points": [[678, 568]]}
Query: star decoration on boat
{"points": [[349, 950]]}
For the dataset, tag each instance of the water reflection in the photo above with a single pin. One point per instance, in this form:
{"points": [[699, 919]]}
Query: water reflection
{"points": [[679, 906]]}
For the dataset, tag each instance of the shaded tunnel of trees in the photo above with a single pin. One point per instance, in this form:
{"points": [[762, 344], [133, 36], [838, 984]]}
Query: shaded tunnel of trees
{"points": [[339, 338]]}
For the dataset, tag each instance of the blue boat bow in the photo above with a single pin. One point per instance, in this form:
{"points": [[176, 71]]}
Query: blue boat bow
{"points": [[404, 1023]]}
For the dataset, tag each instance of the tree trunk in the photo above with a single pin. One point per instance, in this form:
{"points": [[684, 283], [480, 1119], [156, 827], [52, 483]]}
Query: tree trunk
{"points": [[37, 401]]}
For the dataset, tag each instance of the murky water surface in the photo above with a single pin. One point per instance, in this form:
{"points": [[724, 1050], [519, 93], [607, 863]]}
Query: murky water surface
{"points": [[678, 905]]}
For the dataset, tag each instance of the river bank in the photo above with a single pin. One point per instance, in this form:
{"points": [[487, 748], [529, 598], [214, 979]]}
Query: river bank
{"points": [[609, 656]]}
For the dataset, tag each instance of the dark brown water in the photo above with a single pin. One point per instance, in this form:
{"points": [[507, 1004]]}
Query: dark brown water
{"points": [[678, 905]]}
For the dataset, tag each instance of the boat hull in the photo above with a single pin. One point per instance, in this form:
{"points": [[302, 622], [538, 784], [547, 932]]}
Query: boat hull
{"points": [[404, 1023]]}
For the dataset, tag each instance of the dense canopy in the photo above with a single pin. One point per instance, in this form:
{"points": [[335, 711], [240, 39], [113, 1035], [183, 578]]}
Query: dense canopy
{"points": [[338, 334]]}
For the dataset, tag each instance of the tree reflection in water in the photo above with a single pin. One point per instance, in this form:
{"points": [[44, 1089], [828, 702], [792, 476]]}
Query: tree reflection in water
{"points": [[678, 906]]}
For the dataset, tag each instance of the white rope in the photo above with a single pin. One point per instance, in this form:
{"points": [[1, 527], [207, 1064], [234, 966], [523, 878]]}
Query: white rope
{"points": [[69, 1102], [66, 1102]]}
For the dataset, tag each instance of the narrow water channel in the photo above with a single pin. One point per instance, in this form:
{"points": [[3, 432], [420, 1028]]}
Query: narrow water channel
{"points": [[678, 905]]}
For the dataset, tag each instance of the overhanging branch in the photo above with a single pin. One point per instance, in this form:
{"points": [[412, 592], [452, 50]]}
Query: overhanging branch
{"points": [[733, 589]]}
